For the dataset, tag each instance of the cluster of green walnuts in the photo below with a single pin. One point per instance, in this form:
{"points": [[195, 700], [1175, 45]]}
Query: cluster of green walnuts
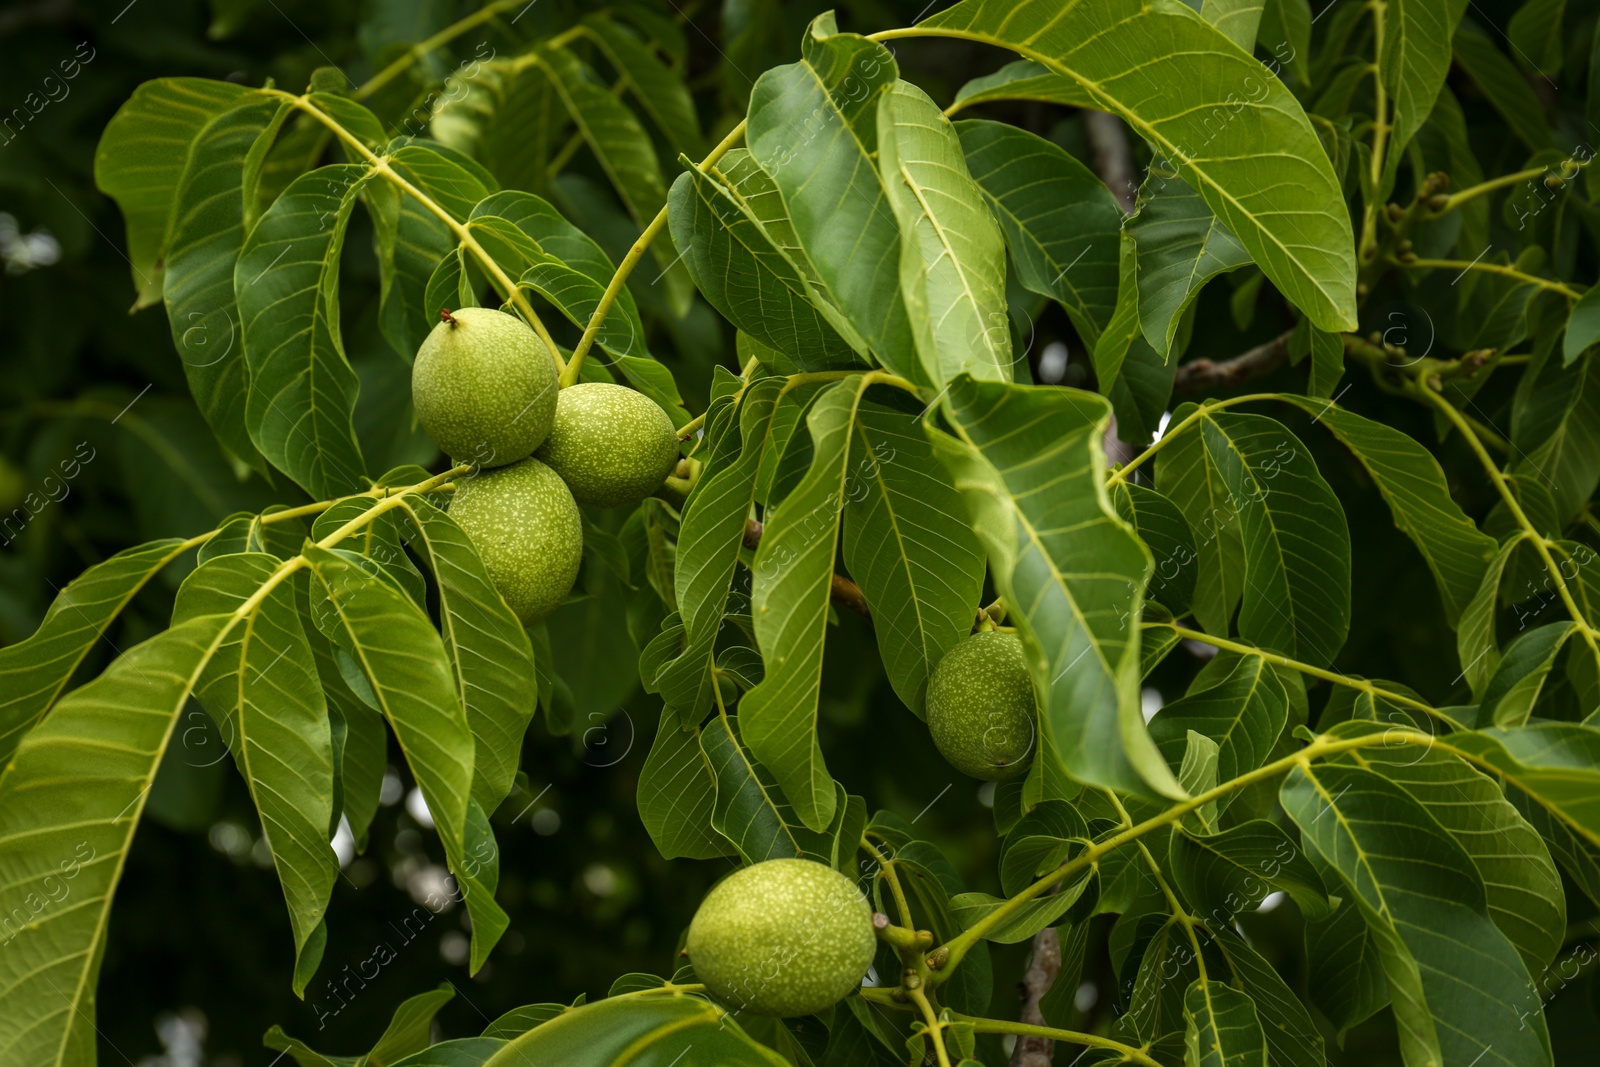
{"points": [[784, 937], [486, 391]]}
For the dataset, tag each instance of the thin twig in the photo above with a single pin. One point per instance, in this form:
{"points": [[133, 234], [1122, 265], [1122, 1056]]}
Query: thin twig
{"points": [[1204, 375], [844, 593]]}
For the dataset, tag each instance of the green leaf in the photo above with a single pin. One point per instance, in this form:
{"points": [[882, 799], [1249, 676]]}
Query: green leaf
{"points": [[1033, 916], [750, 810], [411, 240], [789, 602], [505, 114], [1244, 713], [1556, 764], [1344, 977], [1023, 80], [70, 801], [908, 544], [1413, 485], [1060, 222], [1475, 637], [302, 390], [1555, 430], [458, 1052], [853, 1040], [1458, 985], [1134, 376], [1040, 842], [546, 253], [408, 1034], [952, 257], [624, 150], [1583, 327], [491, 657], [1221, 1028], [1165, 532], [1521, 887], [1518, 681], [709, 539], [1180, 245], [659, 90], [642, 1028], [212, 204], [37, 669], [1296, 597], [1292, 1038], [1504, 86], [141, 159], [1071, 572], [677, 791], [1187, 473], [262, 687], [1535, 35], [1237, 19], [813, 128], [741, 251], [1230, 873], [404, 661], [1413, 59], [1288, 212]]}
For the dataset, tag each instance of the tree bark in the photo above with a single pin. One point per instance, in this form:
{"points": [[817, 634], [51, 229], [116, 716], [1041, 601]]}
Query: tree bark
{"points": [[1043, 966]]}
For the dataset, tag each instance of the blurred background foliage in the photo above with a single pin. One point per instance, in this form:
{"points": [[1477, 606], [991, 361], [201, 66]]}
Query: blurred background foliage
{"points": [[199, 957]]}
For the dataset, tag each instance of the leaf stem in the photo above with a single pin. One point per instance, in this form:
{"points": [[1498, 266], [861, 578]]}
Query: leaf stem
{"points": [[1193, 417], [1514, 506], [1491, 268], [439, 40], [1305, 668], [380, 165], [958, 946], [982, 1025], [1380, 129], [935, 1027], [1455, 200], [614, 289], [886, 865], [396, 496]]}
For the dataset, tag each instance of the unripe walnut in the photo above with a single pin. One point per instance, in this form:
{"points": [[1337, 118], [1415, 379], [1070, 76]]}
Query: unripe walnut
{"points": [[525, 526], [784, 937], [484, 387], [611, 445], [981, 709]]}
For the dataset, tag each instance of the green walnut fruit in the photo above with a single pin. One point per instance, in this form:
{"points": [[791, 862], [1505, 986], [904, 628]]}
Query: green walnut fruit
{"points": [[784, 937], [613, 446], [484, 387], [526, 527], [980, 707]]}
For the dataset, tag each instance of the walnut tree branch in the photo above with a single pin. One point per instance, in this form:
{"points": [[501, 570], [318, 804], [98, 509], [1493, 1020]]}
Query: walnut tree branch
{"points": [[1043, 966], [845, 593], [1204, 375]]}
